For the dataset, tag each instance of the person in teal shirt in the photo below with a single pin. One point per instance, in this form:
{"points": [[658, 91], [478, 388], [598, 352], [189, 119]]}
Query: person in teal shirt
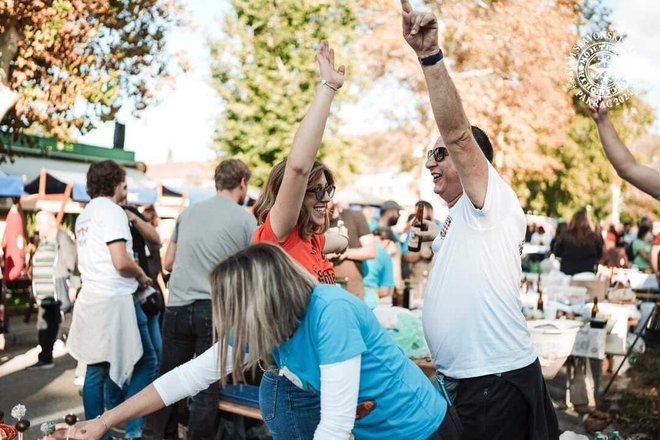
{"points": [[379, 272], [641, 247], [334, 347]]}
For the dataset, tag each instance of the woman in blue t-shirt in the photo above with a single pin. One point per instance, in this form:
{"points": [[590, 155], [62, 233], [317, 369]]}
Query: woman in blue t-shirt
{"points": [[322, 338]]}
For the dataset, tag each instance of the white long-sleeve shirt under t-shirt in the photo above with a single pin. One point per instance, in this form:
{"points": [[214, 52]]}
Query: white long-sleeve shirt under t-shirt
{"points": [[472, 316], [340, 383]]}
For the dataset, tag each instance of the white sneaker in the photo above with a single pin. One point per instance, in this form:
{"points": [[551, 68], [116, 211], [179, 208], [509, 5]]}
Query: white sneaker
{"points": [[59, 345]]}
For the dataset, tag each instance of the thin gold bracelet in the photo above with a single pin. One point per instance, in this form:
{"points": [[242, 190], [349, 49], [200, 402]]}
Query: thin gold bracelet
{"points": [[100, 417], [325, 83]]}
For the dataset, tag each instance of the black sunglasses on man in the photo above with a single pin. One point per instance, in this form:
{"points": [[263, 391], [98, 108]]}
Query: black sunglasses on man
{"points": [[438, 154]]}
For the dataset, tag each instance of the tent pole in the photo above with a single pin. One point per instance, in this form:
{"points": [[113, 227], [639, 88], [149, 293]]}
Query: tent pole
{"points": [[65, 198], [42, 182]]}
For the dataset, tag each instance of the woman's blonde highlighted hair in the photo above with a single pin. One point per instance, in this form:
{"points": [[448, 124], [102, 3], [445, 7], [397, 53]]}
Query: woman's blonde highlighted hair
{"points": [[272, 186], [259, 295]]}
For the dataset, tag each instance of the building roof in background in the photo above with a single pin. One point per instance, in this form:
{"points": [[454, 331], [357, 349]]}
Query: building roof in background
{"points": [[141, 189], [68, 164], [183, 174], [50, 148]]}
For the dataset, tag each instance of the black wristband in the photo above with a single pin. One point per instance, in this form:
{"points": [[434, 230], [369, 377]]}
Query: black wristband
{"points": [[431, 59]]}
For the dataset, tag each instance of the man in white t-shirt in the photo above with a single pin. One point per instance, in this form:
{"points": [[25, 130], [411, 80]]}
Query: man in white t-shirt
{"points": [[472, 312], [108, 326]]}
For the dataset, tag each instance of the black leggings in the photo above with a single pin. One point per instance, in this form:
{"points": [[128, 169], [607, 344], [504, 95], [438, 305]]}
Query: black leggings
{"points": [[48, 324]]}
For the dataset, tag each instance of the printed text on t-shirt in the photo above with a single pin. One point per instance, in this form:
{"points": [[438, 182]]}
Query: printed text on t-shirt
{"points": [[326, 276]]}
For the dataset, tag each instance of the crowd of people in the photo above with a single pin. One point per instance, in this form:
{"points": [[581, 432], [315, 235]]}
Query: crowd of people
{"points": [[286, 289], [581, 246]]}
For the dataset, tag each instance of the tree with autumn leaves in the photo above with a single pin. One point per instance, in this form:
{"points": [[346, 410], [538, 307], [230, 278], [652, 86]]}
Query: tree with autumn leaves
{"points": [[68, 65], [509, 60]]}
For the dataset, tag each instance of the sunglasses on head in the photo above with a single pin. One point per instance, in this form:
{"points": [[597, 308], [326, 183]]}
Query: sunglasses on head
{"points": [[438, 154], [319, 191]]}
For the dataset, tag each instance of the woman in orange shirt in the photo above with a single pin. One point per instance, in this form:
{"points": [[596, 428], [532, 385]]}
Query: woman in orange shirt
{"points": [[292, 211]]}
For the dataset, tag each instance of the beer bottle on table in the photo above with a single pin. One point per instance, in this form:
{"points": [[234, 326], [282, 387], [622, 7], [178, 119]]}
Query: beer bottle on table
{"points": [[594, 309], [415, 242], [530, 286], [397, 298], [539, 303], [405, 302]]}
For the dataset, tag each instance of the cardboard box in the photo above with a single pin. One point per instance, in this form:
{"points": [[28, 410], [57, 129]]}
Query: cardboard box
{"points": [[595, 288]]}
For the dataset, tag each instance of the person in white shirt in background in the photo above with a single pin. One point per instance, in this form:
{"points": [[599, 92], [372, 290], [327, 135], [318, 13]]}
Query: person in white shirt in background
{"points": [[104, 331], [472, 312], [541, 237]]}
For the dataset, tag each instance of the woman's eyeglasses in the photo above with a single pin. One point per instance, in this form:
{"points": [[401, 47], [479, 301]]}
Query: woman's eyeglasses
{"points": [[438, 154], [319, 191]]}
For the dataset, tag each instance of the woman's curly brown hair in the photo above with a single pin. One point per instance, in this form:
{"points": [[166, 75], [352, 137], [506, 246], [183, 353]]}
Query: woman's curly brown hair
{"points": [[103, 177]]}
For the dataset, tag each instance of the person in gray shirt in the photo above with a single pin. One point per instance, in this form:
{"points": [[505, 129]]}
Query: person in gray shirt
{"points": [[205, 234]]}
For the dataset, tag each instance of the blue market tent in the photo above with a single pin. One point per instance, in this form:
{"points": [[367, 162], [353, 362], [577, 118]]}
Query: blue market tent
{"points": [[10, 186], [61, 173]]}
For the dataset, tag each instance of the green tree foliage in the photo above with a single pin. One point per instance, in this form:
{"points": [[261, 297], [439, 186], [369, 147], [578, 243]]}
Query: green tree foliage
{"points": [[265, 71]]}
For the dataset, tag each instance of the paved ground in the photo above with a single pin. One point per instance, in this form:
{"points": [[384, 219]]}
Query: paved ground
{"points": [[569, 419], [47, 394], [50, 394]]}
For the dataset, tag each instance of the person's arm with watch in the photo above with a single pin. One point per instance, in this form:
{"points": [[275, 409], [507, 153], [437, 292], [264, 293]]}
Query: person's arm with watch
{"points": [[420, 30]]}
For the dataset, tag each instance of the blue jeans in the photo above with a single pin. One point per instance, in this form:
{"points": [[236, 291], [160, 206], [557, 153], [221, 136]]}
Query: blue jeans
{"points": [[289, 412], [96, 377], [156, 338], [144, 372]]}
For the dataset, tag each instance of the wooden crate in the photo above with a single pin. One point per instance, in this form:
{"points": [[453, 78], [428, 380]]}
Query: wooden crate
{"points": [[595, 288]]}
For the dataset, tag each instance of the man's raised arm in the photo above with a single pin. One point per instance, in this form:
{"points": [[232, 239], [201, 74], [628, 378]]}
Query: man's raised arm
{"points": [[420, 30]]}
